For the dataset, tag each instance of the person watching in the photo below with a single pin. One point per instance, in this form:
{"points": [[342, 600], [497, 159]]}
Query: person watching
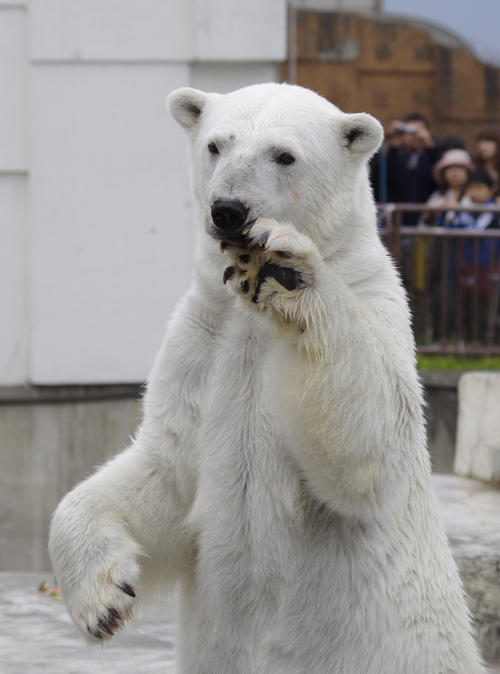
{"points": [[411, 156], [481, 191], [488, 152], [478, 260]]}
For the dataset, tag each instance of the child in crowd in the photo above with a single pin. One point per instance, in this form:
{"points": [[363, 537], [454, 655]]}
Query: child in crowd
{"points": [[478, 259], [451, 173], [480, 190], [488, 152]]}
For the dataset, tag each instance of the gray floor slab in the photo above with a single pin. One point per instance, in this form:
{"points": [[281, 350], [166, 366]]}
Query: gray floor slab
{"points": [[471, 514], [37, 636]]}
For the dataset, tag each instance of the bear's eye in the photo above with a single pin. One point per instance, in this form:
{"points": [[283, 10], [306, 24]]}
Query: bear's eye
{"points": [[213, 149], [285, 159]]}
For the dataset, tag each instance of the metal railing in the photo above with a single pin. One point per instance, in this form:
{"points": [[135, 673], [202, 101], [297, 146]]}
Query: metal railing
{"points": [[452, 277]]}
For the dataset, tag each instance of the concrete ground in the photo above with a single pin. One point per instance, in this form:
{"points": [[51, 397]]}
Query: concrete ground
{"points": [[37, 636]]}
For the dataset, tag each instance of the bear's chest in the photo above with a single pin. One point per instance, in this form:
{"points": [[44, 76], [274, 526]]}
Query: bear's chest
{"points": [[248, 486]]}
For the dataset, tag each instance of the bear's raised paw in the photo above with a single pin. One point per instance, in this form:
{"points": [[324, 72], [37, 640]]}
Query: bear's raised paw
{"points": [[274, 270]]}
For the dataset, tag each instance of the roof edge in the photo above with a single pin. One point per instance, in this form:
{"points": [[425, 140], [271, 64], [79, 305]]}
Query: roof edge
{"points": [[440, 34]]}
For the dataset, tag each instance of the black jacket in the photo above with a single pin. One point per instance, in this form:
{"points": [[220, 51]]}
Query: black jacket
{"points": [[410, 183]]}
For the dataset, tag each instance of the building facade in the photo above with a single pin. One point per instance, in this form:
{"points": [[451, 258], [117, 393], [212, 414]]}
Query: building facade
{"points": [[390, 67], [96, 221]]}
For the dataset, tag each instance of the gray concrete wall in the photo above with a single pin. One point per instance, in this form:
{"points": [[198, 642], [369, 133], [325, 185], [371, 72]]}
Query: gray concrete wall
{"points": [[45, 449], [53, 437], [441, 416]]}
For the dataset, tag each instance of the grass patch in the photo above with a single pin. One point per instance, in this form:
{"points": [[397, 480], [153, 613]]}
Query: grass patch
{"points": [[453, 362]]}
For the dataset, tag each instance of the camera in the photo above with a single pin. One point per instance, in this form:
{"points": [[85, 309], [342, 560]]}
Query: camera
{"points": [[406, 128]]}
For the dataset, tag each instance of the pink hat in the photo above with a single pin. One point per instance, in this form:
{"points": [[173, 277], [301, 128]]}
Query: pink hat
{"points": [[451, 158]]}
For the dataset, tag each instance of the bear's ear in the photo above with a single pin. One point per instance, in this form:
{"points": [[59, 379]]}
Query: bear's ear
{"points": [[362, 134], [186, 105]]}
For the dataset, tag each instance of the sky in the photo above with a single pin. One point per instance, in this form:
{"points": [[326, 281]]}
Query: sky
{"points": [[477, 21]]}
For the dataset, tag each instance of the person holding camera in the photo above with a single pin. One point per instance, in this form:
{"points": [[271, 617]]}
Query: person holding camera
{"points": [[411, 155]]}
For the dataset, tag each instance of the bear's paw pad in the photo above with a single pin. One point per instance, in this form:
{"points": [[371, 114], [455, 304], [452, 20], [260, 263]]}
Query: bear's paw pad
{"points": [[276, 262]]}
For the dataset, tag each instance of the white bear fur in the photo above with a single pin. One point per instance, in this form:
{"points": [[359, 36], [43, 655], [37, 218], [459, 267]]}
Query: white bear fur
{"points": [[280, 476]]}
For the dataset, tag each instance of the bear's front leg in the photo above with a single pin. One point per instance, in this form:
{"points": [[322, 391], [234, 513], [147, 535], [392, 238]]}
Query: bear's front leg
{"points": [[276, 272], [95, 561]]}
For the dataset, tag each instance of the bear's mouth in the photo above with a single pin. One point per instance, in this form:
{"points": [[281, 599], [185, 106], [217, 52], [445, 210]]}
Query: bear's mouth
{"points": [[238, 237]]}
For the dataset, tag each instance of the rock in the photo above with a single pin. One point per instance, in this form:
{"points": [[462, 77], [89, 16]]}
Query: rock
{"points": [[471, 513], [478, 434]]}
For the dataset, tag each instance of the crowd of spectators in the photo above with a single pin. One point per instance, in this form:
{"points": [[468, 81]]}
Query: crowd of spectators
{"points": [[416, 168]]}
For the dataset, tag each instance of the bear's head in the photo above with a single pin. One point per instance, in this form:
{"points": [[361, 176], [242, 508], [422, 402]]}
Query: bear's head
{"points": [[279, 151]]}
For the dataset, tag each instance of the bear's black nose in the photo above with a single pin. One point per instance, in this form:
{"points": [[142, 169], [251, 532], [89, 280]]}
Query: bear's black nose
{"points": [[229, 216]]}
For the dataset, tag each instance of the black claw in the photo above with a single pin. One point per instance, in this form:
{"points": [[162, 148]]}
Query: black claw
{"points": [[112, 620], [113, 612], [245, 259], [245, 287], [223, 246], [127, 589], [102, 625], [228, 274], [94, 633], [247, 228], [264, 238], [283, 253]]}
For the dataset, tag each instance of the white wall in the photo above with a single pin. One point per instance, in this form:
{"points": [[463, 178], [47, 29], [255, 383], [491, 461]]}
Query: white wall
{"points": [[111, 238], [225, 77], [97, 231], [238, 30], [14, 333], [13, 194], [113, 30], [168, 30]]}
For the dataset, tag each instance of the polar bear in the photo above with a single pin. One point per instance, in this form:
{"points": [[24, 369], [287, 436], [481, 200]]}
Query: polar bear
{"points": [[280, 476]]}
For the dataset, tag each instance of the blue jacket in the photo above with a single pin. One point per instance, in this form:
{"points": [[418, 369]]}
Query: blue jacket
{"points": [[481, 222]]}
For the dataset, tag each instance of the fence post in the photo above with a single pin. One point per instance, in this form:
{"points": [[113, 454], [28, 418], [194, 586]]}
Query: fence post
{"points": [[398, 223]]}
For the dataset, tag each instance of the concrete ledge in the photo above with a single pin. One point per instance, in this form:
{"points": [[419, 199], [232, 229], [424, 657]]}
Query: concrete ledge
{"points": [[50, 395]]}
